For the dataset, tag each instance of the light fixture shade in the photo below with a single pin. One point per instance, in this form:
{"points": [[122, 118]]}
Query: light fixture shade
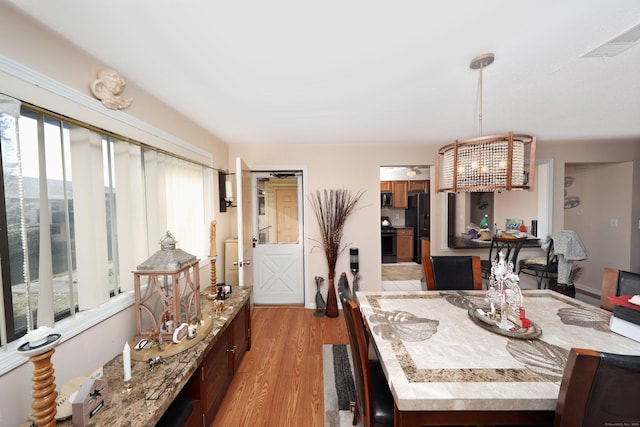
{"points": [[487, 164]]}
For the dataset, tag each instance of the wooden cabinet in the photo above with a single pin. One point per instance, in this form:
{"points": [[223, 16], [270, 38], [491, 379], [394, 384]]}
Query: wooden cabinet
{"points": [[405, 244], [400, 190], [211, 379], [385, 186], [418, 186]]}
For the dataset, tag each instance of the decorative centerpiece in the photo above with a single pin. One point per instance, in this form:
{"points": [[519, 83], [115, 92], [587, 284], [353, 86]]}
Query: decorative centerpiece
{"points": [[504, 295], [504, 291], [172, 295]]}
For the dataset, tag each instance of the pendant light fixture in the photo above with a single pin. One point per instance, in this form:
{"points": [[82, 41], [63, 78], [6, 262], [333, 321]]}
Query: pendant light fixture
{"points": [[486, 163]]}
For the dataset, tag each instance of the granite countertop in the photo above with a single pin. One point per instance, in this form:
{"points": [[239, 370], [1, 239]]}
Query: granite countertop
{"points": [[462, 243], [436, 357], [153, 391]]}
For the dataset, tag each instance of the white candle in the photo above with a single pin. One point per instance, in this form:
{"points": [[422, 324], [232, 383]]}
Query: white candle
{"points": [[126, 361], [228, 189]]}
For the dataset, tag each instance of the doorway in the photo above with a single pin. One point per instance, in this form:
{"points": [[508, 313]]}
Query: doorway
{"points": [[278, 252]]}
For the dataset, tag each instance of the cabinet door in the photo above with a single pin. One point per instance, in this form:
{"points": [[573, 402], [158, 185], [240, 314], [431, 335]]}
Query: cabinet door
{"points": [[400, 193], [419, 186], [405, 244], [385, 185], [216, 373], [241, 334]]}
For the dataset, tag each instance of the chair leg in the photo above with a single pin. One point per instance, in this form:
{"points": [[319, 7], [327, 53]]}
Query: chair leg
{"points": [[353, 406]]}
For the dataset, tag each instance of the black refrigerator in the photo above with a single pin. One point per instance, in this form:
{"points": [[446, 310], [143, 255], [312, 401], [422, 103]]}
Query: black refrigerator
{"points": [[417, 216]]}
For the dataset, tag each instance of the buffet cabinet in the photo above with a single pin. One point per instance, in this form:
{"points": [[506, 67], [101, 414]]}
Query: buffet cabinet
{"points": [[211, 379]]}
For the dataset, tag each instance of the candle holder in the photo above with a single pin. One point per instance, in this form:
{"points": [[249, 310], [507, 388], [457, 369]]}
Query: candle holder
{"points": [[126, 386], [39, 352]]}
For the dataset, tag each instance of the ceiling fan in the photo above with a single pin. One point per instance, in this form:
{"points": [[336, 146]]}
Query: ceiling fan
{"points": [[413, 171]]}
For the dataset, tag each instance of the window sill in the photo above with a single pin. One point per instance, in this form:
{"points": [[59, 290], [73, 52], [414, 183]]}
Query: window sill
{"points": [[69, 328]]}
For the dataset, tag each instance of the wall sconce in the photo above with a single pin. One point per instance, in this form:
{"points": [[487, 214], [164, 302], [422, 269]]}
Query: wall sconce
{"points": [[226, 184]]}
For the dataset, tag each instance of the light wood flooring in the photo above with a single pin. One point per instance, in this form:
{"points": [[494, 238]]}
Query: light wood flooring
{"points": [[279, 381]]}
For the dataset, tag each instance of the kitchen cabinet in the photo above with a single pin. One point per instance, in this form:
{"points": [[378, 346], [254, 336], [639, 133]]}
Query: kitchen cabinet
{"points": [[385, 186], [418, 186], [211, 379], [400, 190], [405, 244]]}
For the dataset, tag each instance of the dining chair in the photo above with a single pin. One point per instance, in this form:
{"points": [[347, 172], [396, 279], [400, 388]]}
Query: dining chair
{"points": [[509, 245], [453, 272], [617, 282], [599, 389], [543, 269], [374, 401]]}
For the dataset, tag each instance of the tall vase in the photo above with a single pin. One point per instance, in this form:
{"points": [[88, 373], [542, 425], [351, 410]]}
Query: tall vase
{"points": [[332, 300]]}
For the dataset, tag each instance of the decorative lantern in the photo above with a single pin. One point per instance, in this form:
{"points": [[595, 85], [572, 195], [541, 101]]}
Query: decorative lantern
{"points": [[172, 292]]}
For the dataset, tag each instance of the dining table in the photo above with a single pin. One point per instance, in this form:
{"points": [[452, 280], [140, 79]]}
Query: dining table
{"points": [[445, 366]]}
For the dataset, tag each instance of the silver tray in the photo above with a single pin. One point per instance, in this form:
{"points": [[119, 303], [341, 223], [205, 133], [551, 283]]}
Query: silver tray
{"points": [[530, 333]]}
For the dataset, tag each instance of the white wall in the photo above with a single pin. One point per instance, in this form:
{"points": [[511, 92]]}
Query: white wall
{"points": [[593, 219]]}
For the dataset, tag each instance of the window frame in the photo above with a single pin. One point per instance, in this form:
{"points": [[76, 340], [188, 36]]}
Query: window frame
{"points": [[80, 320]]}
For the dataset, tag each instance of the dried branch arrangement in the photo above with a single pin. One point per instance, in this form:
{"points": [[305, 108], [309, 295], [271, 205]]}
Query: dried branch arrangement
{"points": [[332, 208]]}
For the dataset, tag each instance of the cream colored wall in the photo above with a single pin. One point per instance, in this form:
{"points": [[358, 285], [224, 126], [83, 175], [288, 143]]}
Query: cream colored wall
{"points": [[516, 205], [357, 167], [598, 151], [354, 166], [608, 246]]}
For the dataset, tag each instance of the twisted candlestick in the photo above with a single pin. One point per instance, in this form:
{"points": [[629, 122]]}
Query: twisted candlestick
{"points": [[43, 408], [39, 351], [213, 292]]}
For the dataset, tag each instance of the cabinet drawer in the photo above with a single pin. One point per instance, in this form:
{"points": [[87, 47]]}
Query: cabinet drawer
{"points": [[405, 231]]}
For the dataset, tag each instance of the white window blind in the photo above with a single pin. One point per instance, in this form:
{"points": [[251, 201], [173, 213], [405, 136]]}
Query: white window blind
{"points": [[95, 208]]}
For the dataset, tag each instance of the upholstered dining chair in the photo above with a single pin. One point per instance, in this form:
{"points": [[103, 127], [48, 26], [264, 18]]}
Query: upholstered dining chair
{"points": [[453, 272], [599, 389], [617, 282], [374, 401], [509, 245], [542, 268]]}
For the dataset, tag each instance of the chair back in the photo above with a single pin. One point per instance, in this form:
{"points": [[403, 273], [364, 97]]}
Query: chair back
{"points": [[374, 399], [356, 334], [617, 282], [510, 246], [453, 273], [599, 389]]}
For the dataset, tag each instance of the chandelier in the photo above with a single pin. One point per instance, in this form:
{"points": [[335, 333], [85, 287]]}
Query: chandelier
{"points": [[486, 163]]}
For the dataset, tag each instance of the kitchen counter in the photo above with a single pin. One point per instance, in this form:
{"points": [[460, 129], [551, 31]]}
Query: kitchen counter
{"points": [[462, 243], [153, 391]]}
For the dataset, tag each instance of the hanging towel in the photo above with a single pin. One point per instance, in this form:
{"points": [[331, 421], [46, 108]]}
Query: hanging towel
{"points": [[568, 246]]}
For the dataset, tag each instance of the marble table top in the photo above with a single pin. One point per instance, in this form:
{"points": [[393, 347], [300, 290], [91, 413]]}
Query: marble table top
{"points": [[153, 391], [437, 358]]}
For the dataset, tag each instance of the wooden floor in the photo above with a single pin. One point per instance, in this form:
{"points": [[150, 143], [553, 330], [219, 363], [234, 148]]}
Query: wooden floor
{"points": [[279, 381]]}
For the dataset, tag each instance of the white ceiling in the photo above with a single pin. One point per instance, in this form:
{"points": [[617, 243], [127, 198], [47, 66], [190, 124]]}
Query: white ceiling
{"points": [[295, 71]]}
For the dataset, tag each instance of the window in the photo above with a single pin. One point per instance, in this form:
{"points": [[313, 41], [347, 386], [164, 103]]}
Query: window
{"points": [[87, 208]]}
